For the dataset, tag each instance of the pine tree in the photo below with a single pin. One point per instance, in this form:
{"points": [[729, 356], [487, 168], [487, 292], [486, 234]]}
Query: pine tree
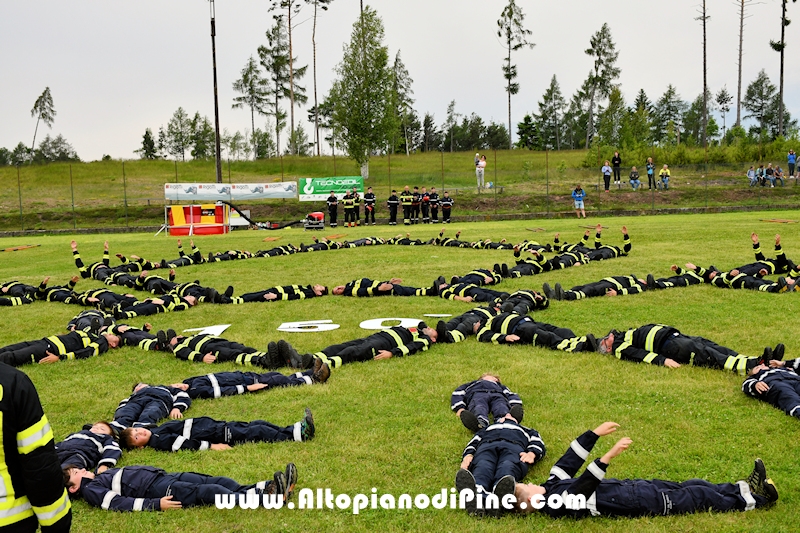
{"points": [[515, 37]]}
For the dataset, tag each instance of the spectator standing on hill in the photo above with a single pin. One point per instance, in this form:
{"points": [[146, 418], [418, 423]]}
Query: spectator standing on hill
{"points": [[791, 159], [635, 183], [578, 195], [651, 173], [480, 170], [606, 170], [616, 162]]}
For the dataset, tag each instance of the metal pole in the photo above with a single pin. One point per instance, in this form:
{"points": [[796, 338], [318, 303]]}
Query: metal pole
{"points": [[176, 171], [495, 180], [72, 191], [19, 191], [389, 154], [281, 167], [125, 193], [229, 170], [216, 99], [547, 179]]}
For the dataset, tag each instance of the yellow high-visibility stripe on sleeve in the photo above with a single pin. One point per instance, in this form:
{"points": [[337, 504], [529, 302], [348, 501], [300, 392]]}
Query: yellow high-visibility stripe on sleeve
{"points": [[35, 436]]}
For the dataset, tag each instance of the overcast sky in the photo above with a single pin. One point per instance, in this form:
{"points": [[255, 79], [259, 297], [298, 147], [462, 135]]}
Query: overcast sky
{"points": [[117, 67]]}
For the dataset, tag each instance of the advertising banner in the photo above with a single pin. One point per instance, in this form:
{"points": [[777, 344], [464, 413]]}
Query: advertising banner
{"points": [[318, 189], [230, 192]]}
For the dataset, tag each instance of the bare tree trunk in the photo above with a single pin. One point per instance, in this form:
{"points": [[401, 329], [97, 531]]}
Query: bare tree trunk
{"points": [[783, 48], [508, 89], [33, 142], [705, 82], [291, 72], [253, 125], [277, 126], [316, 104], [590, 122], [741, 43]]}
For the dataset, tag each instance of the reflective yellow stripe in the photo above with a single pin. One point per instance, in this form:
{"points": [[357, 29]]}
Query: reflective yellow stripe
{"points": [[651, 335], [282, 293], [506, 321], [20, 509], [741, 368], [397, 339], [730, 362], [35, 436], [649, 357], [614, 282], [50, 514], [58, 344]]}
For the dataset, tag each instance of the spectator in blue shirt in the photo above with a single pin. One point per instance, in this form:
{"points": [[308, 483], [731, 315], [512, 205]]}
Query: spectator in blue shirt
{"points": [[578, 195]]}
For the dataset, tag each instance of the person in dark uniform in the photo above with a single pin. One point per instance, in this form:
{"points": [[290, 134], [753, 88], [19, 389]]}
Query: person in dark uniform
{"points": [[393, 203], [396, 341], [636, 497], [167, 303], [523, 302], [494, 461], [738, 280], [333, 209], [369, 206], [453, 242], [73, 345], [425, 205], [348, 203], [434, 202], [528, 266], [288, 249], [462, 326], [778, 386], [510, 328], [657, 344], [447, 205], [416, 201], [469, 292], [474, 401], [20, 291], [147, 488], [366, 287], [479, 276], [193, 258], [764, 266], [34, 494], [205, 348], [221, 384], [611, 286], [406, 200], [149, 404], [58, 293], [607, 251], [283, 293], [399, 240], [356, 207], [682, 278], [205, 433], [94, 448]]}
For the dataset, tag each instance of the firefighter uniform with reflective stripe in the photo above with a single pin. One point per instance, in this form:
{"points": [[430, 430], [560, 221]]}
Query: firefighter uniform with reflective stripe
{"points": [[194, 348], [636, 497], [139, 338], [682, 278], [581, 247], [32, 489], [348, 203], [98, 271], [655, 343], [289, 249], [753, 283], [73, 345], [441, 240], [200, 433], [233, 383], [284, 293], [366, 287], [478, 294], [107, 298], [498, 328], [195, 258], [392, 203], [17, 290], [406, 199], [433, 198], [621, 284], [478, 277], [607, 251], [149, 405], [398, 340], [140, 488], [333, 209], [57, 293], [496, 453], [523, 302], [778, 265], [482, 397], [172, 303], [784, 389], [88, 450], [529, 266], [447, 205], [462, 326], [565, 260]]}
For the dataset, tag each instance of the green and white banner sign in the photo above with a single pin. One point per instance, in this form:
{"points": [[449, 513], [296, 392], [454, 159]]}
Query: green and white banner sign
{"points": [[318, 189]]}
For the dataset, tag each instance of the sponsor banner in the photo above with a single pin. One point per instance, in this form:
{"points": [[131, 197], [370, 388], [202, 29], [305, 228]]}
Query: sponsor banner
{"points": [[318, 189], [230, 192]]}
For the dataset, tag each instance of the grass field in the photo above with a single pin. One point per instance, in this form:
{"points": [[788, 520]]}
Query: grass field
{"points": [[387, 424]]}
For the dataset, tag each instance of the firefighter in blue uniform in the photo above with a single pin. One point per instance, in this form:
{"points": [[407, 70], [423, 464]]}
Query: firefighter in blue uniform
{"points": [[94, 448], [149, 404]]}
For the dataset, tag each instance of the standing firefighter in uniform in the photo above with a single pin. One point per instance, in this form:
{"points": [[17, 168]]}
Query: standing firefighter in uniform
{"points": [[32, 483], [406, 199], [369, 206], [333, 209], [392, 203], [348, 202]]}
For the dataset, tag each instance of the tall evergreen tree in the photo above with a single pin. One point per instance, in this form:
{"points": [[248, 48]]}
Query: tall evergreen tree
{"points": [[402, 94], [668, 113], [610, 120], [44, 111], [148, 149], [528, 133], [431, 135], [640, 120], [780, 46], [254, 92], [323, 5], [178, 135], [296, 93], [550, 119], [515, 37], [362, 92], [723, 101], [275, 60], [450, 123], [604, 72], [759, 101]]}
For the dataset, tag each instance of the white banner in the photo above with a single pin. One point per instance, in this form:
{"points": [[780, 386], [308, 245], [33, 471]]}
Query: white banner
{"points": [[230, 192]]}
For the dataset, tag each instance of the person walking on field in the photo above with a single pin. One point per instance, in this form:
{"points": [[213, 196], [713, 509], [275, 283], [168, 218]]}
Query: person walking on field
{"points": [[479, 171], [606, 170], [578, 195], [616, 162]]}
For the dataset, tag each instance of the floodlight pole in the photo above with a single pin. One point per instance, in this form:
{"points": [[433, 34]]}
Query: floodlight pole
{"points": [[216, 99]]}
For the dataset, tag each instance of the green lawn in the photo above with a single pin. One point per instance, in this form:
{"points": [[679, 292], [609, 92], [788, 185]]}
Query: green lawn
{"points": [[387, 424]]}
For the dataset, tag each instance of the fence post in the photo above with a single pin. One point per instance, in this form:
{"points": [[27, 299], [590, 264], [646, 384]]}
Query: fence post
{"points": [[547, 179], [19, 191], [125, 193], [176, 171], [72, 192]]}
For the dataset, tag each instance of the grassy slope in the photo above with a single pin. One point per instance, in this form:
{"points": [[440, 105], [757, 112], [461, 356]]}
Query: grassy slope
{"points": [[100, 190], [387, 424]]}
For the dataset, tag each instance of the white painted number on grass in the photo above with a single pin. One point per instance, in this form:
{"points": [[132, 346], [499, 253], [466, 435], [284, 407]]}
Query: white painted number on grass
{"points": [[307, 326], [378, 323]]}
